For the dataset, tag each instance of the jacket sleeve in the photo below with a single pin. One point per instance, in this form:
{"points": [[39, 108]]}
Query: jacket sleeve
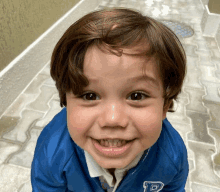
{"points": [[42, 180], [179, 181], [44, 175]]}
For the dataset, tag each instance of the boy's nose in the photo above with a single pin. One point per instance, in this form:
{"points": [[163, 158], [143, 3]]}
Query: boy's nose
{"points": [[113, 115]]}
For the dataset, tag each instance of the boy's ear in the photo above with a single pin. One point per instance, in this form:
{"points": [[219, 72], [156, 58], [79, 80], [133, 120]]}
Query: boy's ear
{"points": [[166, 108]]}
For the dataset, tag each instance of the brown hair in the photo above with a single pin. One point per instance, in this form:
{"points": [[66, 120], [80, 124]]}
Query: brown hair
{"points": [[117, 28]]}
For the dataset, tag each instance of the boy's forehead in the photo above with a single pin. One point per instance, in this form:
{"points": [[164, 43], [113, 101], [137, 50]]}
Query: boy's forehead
{"points": [[134, 53], [97, 67], [101, 59]]}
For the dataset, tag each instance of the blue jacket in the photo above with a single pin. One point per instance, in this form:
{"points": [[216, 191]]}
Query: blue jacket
{"points": [[60, 165]]}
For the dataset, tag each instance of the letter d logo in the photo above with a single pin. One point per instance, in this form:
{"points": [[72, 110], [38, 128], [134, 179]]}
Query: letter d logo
{"points": [[154, 186]]}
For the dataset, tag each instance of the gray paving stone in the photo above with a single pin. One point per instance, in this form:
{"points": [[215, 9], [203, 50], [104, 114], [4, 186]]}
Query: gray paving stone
{"points": [[183, 94], [199, 127], [216, 62], [46, 70], [34, 87], [6, 149], [192, 79], [54, 109], [195, 103], [175, 14], [8, 124], [214, 110], [208, 74], [50, 82], [205, 60], [216, 157], [122, 5], [191, 163], [212, 91], [190, 41], [112, 5], [217, 74], [114, 2], [12, 177], [156, 13], [179, 115], [187, 187], [203, 173], [19, 132], [18, 106], [103, 3], [41, 103], [201, 45], [192, 62], [56, 97], [217, 170], [26, 187], [198, 35], [211, 42], [197, 29], [167, 17], [196, 21], [200, 187], [216, 52], [188, 190], [175, 105], [24, 158], [133, 4], [204, 52]]}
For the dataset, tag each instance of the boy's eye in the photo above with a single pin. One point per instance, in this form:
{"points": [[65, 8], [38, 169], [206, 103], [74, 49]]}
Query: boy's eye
{"points": [[133, 96], [138, 95], [88, 96]]}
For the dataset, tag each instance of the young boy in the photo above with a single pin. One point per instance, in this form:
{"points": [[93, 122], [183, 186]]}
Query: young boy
{"points": [[117, 73]]}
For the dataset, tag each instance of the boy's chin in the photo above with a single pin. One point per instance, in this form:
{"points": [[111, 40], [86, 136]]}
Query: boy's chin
{"points": [[111, 165]]}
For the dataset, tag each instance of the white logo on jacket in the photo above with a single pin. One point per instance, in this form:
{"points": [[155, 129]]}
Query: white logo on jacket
{"points": [[153, 186]]}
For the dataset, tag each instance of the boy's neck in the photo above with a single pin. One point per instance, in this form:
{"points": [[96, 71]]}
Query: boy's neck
{"points": [[112, 172]]}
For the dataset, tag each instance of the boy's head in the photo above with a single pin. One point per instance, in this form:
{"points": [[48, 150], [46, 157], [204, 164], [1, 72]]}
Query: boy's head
{"points": [[93, 65]]}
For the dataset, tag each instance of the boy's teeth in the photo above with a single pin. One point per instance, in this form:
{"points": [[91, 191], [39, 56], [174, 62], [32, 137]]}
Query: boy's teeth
{"points": [[112, 143]]}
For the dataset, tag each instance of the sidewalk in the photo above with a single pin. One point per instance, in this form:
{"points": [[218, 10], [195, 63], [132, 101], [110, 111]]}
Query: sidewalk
{"points": [[197, 118]]}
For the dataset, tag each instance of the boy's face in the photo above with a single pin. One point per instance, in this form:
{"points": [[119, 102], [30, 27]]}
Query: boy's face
{"points": [[115, 109]]}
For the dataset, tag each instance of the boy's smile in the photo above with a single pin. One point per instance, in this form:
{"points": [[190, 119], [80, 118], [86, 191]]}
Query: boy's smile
{"points": [[116, 106]]}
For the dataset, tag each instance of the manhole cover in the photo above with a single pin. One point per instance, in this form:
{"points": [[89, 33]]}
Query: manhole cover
{"points": [[179, 29]]}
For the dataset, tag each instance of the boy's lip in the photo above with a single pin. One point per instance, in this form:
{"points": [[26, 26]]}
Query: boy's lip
{"points": [[112, 151], [108, 138]]}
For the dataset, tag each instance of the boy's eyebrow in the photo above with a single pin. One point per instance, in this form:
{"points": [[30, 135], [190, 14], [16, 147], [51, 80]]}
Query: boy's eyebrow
{"points": [[135, 79], [143, 78]]}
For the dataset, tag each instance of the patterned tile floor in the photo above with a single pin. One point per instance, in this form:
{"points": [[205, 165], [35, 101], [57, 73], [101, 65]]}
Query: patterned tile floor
{"points": [[197, 118]]}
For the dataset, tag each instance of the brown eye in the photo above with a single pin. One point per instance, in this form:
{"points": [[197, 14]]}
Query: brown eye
{"points": [[134, 96], [138, 96], [88, 96]]}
